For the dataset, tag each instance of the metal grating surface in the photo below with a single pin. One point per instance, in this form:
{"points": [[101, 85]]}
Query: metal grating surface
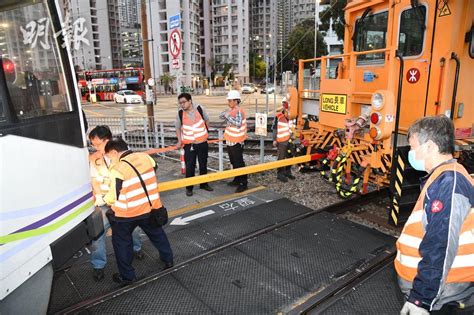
{"points": [[80, 276], [279, 210], [164, 296], [262, 275], [265, 274], [377, 295], [63, 291], [189, 242]]}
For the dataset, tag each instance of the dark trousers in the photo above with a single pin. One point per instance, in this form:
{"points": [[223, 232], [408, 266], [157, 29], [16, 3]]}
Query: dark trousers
{"points": [[236, 157], [123, 245], [191, 152], [282, 151]]}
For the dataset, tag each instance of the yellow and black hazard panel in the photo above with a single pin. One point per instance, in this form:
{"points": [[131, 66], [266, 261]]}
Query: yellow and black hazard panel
{"points": [[404, 187]]}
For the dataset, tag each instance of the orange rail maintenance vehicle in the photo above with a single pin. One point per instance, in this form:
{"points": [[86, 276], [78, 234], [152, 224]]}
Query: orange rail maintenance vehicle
{"points": [[404, 59]]}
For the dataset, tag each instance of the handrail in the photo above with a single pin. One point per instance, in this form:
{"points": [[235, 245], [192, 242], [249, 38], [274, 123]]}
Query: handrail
{"points": [[354, 53], [456, 80], [397, 117]]}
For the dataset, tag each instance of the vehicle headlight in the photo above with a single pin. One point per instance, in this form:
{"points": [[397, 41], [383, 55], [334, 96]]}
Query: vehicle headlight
{"points": [[377, 101]]}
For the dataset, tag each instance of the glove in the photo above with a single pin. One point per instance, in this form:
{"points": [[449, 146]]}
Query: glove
{"points": [[99, 201], [411, 309]]}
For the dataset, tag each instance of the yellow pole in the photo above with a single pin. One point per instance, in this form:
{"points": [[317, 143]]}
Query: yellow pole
{"points": [[180, 183]]}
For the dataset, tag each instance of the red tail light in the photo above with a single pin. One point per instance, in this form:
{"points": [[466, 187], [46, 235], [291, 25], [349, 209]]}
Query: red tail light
{"points": [[8, 66], [375, 118]]}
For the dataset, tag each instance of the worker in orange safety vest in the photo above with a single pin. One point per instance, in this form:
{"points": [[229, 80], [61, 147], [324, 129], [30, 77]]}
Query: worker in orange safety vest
{"points": [[192, 124], [133, 194], [235, 134], [281, 135], [435, 251]]}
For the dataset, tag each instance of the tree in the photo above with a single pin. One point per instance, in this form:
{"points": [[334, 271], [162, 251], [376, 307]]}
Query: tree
{"points": [[214, 65], [335, 12], [256, 66], [227, 69], [301, 42], [167, 80]]}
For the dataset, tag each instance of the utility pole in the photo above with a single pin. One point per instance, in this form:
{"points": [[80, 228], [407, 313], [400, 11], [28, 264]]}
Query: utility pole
{"points": [[262, 144], [146, 61], [316, 28]]}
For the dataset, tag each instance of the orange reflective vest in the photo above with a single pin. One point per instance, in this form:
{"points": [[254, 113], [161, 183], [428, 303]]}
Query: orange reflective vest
{"points": [[132, 200], [408, 256], [193, 131], [233, 133], [283, 128]]}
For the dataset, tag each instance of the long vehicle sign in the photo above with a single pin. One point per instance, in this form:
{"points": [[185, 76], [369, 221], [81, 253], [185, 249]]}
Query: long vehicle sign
{"points": [[334, 103]]}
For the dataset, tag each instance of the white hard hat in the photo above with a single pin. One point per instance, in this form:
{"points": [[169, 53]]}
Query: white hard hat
{"points": [[284, 100], [233, 95]]}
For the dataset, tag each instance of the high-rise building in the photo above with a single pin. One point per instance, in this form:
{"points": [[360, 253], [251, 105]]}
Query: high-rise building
{"points": [[205, 24], [103, 33], [264, 24], [230, 36], [159, 32], [130, 33]]}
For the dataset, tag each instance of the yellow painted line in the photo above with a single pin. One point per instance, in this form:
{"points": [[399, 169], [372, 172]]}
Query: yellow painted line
{"points": [[181, 211], [401, 163], [107, 107], [399, 175], [212, 177], [397, 187], [394, 218], [91, 112]]}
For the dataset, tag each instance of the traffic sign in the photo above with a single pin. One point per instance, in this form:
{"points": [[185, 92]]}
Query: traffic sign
{"points": [[151, 82], [175, 63], [174, 21], [175, 43], [261, 124]]}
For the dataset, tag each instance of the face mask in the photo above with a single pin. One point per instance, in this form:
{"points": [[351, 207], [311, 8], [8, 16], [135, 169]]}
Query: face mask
{"points": [[418, 165]]}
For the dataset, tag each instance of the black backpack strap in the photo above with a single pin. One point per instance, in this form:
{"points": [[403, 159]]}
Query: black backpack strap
{"points": [[141, 180], [200, 110], [180, 114]]}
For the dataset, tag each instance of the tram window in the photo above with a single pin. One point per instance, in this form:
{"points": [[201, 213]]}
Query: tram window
{"points": [[412, 32], [371, 34], [37, 85]]}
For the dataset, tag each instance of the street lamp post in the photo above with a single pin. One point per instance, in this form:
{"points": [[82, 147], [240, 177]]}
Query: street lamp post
{"points": [[256, 38], [316, 28]]}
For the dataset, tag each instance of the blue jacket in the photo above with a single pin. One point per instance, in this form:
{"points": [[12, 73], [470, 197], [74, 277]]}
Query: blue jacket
{"points": [[447, 203]]}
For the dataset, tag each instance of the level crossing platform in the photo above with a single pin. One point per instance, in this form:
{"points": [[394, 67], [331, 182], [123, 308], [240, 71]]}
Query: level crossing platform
{"points": [[250, 253]]}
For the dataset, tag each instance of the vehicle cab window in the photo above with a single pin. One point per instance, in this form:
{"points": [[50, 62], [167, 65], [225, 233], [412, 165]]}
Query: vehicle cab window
{"points": [[371, 34], [31, 63], [412, 31]]}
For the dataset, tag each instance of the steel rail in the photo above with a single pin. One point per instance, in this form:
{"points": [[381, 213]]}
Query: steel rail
{"points": [[359, 273], [348, 205]]}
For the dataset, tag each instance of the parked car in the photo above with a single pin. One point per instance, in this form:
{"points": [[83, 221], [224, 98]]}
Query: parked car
{"points": [[248, 88], [127, 97], [268, 89]]}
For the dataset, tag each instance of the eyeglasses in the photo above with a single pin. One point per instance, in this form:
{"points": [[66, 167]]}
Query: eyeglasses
{"points": [[183, 102]]}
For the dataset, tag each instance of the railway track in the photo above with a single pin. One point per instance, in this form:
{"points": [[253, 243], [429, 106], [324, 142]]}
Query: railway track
{"points": [[351, 277]]}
